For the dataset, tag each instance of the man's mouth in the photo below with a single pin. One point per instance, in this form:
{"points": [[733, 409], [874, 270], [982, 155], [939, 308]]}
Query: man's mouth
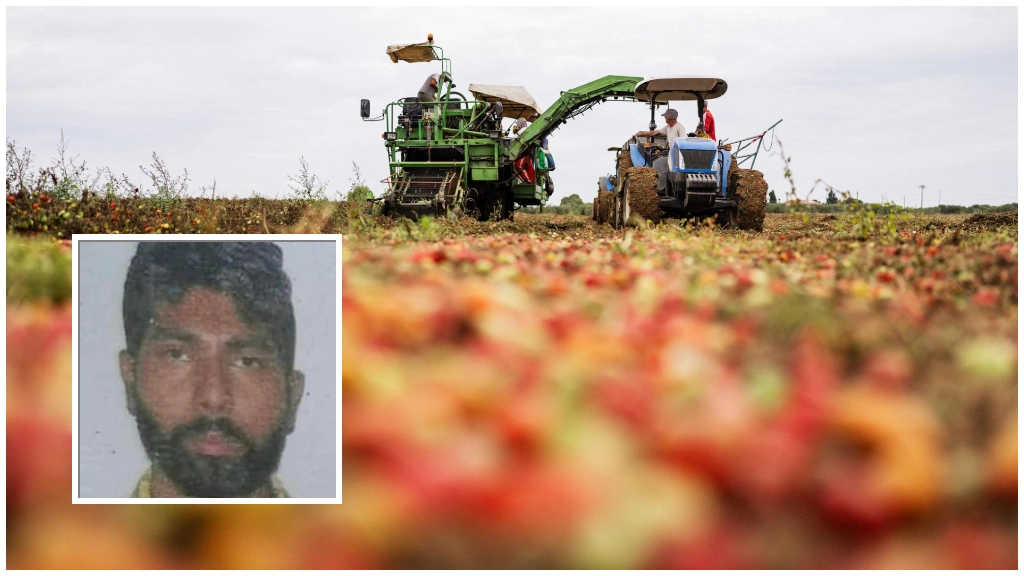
{"points": [[212, 444]]}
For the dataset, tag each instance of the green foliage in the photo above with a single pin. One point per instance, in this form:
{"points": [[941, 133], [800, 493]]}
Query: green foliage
{"points": [[359, 194], [165, 186], [571, 201], [306, 185], [65, 179], [771, 197], [869, 219], [358, 191], [831, 198], [567, 207], [37, 269]]}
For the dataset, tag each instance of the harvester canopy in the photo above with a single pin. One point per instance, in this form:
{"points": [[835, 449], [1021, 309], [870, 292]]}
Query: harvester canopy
{"points": [[682, 88], [423, 52], [516, 102]]}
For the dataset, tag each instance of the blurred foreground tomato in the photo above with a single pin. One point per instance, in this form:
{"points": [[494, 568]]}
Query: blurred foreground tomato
{"points": [[38, 462], [890, 464], [80, 538]]}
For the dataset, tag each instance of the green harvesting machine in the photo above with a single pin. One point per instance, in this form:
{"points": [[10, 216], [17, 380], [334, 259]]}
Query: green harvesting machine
{"points": [[449, 154]]}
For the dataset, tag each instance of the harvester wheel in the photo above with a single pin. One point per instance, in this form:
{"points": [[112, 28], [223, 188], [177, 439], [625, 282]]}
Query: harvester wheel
{"points": [[751, 193], [493, 204]]}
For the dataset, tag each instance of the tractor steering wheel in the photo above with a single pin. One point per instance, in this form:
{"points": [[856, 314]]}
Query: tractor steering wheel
{"points": [[459, 94]]}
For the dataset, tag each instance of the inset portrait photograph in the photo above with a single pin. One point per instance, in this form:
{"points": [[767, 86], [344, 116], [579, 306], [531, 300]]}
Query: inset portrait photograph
{"points": [[206, 369]]}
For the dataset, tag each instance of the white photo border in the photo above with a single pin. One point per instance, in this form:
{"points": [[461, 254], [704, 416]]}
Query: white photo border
{"points": [[75, 436]]}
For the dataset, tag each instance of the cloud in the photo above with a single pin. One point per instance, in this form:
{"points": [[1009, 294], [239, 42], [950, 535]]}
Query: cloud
{"points": [[873, 99]]}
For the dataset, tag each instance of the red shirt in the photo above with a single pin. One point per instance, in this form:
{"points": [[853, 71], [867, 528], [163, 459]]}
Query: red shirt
{"points": [[709, 124]]}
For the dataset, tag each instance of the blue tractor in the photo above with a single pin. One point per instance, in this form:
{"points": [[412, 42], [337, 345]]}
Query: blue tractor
{"points": [[690, 176]]}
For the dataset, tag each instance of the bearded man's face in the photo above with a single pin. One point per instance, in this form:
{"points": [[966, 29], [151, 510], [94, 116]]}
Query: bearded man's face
{"points": [[212, 401]]}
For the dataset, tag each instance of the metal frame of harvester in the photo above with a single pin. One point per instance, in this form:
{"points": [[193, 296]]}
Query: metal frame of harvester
{"points": [[451, 157]]}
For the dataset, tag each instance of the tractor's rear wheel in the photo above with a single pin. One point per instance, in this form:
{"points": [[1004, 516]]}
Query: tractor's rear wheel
{"points": [[750, 191]]}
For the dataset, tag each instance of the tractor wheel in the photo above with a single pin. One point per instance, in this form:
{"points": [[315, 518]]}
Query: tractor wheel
{"points": [[727, 218], [622, 206], [640, 190], [603, 206], [493, 204], [751, 193], [623, 162]]}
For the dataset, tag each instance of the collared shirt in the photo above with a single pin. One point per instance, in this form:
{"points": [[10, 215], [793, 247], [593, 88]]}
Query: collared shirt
{"points": [[144, 489], [672, 132]]}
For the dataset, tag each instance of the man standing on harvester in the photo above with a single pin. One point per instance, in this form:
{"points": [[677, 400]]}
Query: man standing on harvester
{"points": [[671, 130]]}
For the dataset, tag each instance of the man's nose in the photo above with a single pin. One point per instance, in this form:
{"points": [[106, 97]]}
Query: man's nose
{"points": [[213, 386]]}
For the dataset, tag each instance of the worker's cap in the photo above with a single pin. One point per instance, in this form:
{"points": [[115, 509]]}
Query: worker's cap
{"points": [[670, 114]]}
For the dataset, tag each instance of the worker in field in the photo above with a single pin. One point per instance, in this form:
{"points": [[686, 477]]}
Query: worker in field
{"points": [[672, 129], [428, 92], [709, 122], [431, 86]]}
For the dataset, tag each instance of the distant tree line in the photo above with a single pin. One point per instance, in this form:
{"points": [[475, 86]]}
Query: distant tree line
{"points": [[571, 205]]}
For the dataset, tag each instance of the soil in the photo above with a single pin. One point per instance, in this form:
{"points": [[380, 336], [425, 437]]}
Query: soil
{"points": [[981, 222]]}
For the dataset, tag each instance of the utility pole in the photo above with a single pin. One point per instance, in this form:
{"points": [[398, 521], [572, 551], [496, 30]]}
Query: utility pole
{"points": [[922, 196], [940, 197]]}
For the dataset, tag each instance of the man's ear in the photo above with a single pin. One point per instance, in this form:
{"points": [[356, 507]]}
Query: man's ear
{"points": [[127, 364], [296, 388]]}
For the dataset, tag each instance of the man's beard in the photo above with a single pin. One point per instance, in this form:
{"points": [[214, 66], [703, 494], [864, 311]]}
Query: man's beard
{"points": [[201, 476]]}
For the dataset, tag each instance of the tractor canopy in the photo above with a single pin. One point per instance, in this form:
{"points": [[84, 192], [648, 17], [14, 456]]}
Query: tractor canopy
{"points": [[516, 102], [682, 88], [423, 52]]}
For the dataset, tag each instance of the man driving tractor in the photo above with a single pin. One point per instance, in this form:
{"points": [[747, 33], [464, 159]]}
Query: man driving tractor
{"points": [[671, 130]]}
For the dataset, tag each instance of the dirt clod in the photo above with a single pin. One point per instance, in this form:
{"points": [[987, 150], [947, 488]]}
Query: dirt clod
{"points": [[982, 222]]}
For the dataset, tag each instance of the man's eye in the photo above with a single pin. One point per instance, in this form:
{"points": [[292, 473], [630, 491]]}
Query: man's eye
{"points": [[176, 354], [250, 362]]}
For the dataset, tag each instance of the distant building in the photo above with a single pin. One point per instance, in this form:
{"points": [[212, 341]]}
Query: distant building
{"points": [[795, 202]]}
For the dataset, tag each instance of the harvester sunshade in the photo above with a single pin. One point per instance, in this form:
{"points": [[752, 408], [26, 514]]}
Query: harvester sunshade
{"points": [[683, 88], [423, 52], [516, 102]]}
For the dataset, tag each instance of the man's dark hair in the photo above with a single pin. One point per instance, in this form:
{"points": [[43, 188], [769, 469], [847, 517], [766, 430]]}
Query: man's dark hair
{"points": [[251, 273]]}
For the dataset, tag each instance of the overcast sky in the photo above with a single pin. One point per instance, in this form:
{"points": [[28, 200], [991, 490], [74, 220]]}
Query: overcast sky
{"points": [[873, 100]]}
